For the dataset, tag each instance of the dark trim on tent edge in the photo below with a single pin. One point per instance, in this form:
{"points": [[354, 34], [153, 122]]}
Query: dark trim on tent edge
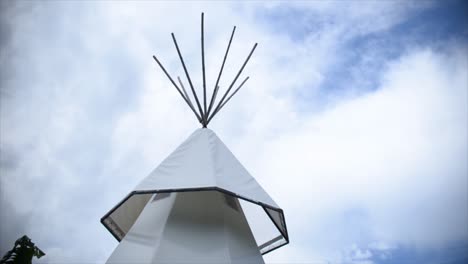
{"points": [[279, 210]]}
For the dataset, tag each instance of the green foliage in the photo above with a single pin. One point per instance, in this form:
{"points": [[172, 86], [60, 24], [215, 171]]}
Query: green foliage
{"points": [[22, 253]]}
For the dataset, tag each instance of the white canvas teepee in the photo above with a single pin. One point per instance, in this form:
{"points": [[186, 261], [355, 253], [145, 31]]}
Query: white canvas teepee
{"points": [[200, 205], [188, 207]]}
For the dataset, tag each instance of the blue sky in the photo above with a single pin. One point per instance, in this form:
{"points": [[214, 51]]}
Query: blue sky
{"points": [[357, 110]]}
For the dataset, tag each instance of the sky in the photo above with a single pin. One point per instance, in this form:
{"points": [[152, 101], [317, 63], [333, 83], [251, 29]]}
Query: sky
{"points": [[354, 119]]}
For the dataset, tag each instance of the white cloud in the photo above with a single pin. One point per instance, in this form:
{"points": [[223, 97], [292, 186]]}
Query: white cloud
{"points": [[398, 153]]}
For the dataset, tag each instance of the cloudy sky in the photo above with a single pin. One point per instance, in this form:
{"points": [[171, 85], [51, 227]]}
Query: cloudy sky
{"points": [[354, 119]]}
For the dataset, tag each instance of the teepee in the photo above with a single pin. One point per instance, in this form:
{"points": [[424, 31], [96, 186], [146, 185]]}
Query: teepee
{"points": [[200, 205]]}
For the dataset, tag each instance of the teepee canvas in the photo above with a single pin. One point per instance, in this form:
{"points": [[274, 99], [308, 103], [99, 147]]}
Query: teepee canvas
{"points": [[195, 206]]}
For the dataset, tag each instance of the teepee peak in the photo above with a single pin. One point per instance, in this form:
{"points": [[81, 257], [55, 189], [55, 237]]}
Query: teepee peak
{"points": [[204, 111]]}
